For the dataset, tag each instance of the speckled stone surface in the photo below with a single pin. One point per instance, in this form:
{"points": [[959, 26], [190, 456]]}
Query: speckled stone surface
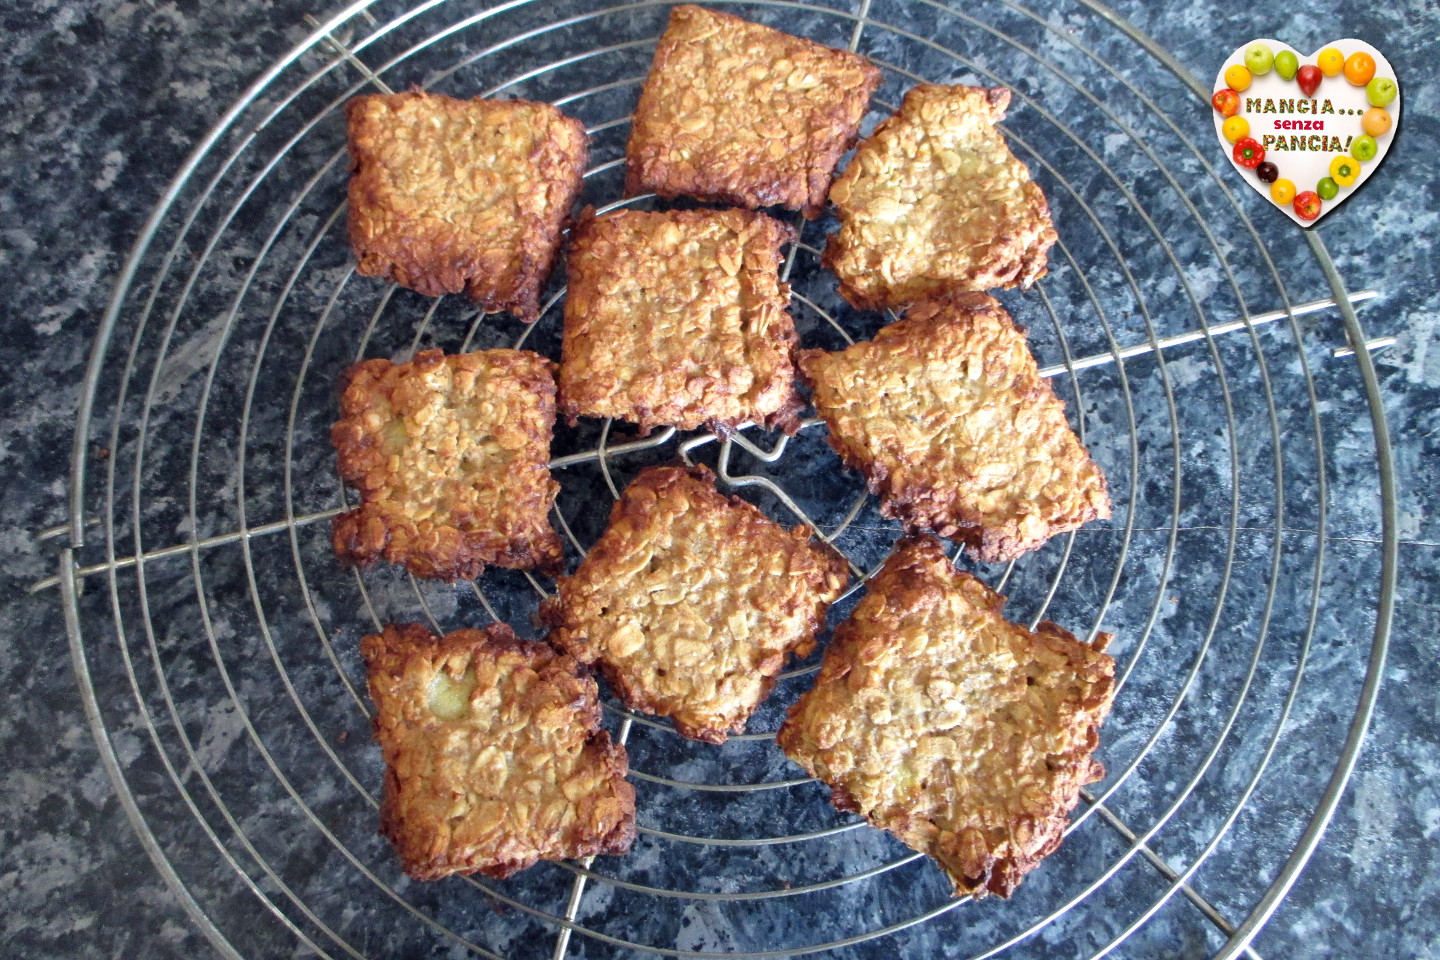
{"points": [[253, 748]]}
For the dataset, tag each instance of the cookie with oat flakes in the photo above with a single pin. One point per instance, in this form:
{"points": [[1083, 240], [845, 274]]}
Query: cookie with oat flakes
{"points": [[948, 418], [736, 112], [450, 455], [494, 756], [691, 601], [965, 735], [934, 202], [679, 318], [450, 195]]}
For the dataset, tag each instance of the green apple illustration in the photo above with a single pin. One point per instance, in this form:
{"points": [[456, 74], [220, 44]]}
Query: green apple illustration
{"points": [[1259, 58], [1380, 91]]}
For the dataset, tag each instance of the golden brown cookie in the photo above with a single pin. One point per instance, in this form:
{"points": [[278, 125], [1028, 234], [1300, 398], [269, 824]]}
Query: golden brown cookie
{"points": [[494, 756], [450, 455], [691, 601], [965, 735], [738, 113], [934, 202], [946, 414], [679, 319], [450, 195]]}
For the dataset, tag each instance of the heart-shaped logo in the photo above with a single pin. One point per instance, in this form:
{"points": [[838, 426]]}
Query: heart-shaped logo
{"points": [[1306, 131]]}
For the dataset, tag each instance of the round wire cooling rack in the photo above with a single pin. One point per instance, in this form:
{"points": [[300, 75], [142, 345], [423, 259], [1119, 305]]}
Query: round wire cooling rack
{"points": [[214, 635]]}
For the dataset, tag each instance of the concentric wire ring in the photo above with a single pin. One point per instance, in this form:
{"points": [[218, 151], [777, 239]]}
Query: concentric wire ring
{"points": [[239, 666]]}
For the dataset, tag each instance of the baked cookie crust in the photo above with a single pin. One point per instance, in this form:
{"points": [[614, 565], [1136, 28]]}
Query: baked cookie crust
{"points": [[966, 736], [691, 601], [934, 202], [948, 418], [450, 195], [450, 455], [494, 756], [735, 112], [680, 319]]}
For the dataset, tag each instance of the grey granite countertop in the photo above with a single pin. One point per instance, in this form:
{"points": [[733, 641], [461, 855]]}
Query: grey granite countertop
{"points": [[104, 101]]}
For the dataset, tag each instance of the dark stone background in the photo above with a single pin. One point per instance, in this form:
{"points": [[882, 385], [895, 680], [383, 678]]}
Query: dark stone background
{"points": [[102, 103]]}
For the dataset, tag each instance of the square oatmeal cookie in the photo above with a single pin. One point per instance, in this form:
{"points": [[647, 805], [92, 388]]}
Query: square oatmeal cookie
{"points": [[963, 734], [450, 195], [946, 414], [679, 319], [450, 455], [735, 112], [934, 202], [494, 756], [691, 601]]}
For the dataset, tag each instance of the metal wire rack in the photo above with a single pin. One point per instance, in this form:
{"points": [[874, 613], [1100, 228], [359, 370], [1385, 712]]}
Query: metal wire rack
{"points": [[214, 636]]}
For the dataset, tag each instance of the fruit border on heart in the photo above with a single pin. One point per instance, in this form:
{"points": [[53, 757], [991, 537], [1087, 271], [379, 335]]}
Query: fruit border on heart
{"points": [[1359, 70]]}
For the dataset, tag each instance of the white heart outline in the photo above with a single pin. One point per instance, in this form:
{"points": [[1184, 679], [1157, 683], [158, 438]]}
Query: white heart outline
{"points": [[1348, 45]]}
